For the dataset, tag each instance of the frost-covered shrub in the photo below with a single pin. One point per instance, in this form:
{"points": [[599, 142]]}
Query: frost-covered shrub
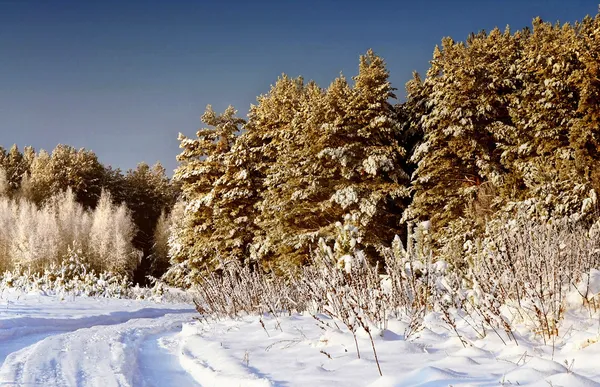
{"points": [[74, 277], [522, 277], [528, 268], [71, 277]]}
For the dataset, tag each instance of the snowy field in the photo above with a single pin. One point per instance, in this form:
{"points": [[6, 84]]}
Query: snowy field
{"points": [[48, 341]]}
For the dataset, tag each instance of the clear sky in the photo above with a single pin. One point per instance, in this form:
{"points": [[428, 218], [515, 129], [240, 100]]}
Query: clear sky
{"points": [[124, 77]]}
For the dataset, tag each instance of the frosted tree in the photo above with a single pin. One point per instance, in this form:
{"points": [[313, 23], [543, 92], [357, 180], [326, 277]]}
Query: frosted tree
{"points": [[73, 221], [7, 225], [111, 236], [159, 260], [36, 238], [101, 233], [125, 258]]}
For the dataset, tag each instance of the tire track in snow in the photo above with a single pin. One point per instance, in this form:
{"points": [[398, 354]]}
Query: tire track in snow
{"points": [[21, 332], [104, 354]]}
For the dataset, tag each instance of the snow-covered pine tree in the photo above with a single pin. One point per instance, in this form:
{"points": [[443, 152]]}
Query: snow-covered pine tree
{"points": [[236, 194], [467, 93], [337, 153], [545, 111], [201, 165], [288, 212], [585, 133], [66, 167], [16, 166], [38, 186], [267, 141], [361, 146], [409, 114]]}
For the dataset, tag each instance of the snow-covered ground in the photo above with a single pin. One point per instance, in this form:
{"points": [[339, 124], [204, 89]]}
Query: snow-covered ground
{"points": [[48, 341]]}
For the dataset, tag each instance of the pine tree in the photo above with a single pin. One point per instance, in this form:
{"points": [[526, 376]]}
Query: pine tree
{"points": [[541, 151], [201, 165], [236, 194], [16, 166], [66, 167], [585, 135], [287, 214], [337, 152], [38, 186], [409, 115], [468, 91], [363, 149]]}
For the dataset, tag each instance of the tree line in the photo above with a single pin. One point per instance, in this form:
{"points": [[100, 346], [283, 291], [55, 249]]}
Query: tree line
{"points": [[503, 122]]}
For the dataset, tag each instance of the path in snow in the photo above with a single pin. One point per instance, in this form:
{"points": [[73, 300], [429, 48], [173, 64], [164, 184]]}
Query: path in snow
{"points": [[159, 362], [87, 342], [103, 355]]}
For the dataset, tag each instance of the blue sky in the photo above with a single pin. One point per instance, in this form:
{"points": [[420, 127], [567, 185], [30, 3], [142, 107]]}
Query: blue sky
{"points": [[124, 77]]}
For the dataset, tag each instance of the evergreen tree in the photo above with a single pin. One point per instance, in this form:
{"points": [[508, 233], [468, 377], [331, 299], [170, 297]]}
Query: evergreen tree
{"points": [[283, 215], [235, 195], [585, 133], [38, 186], [66, 167], [468, 90], [148, 194], [376, 155], [15, 166], [201, 165], [339, 154]]}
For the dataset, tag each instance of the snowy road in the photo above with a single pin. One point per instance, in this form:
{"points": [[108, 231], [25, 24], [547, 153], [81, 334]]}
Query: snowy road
{"points": [[104, 355], [47, 341]]}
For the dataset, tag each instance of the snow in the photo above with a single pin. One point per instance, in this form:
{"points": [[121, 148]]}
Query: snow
{"points": [[79, 341]]}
